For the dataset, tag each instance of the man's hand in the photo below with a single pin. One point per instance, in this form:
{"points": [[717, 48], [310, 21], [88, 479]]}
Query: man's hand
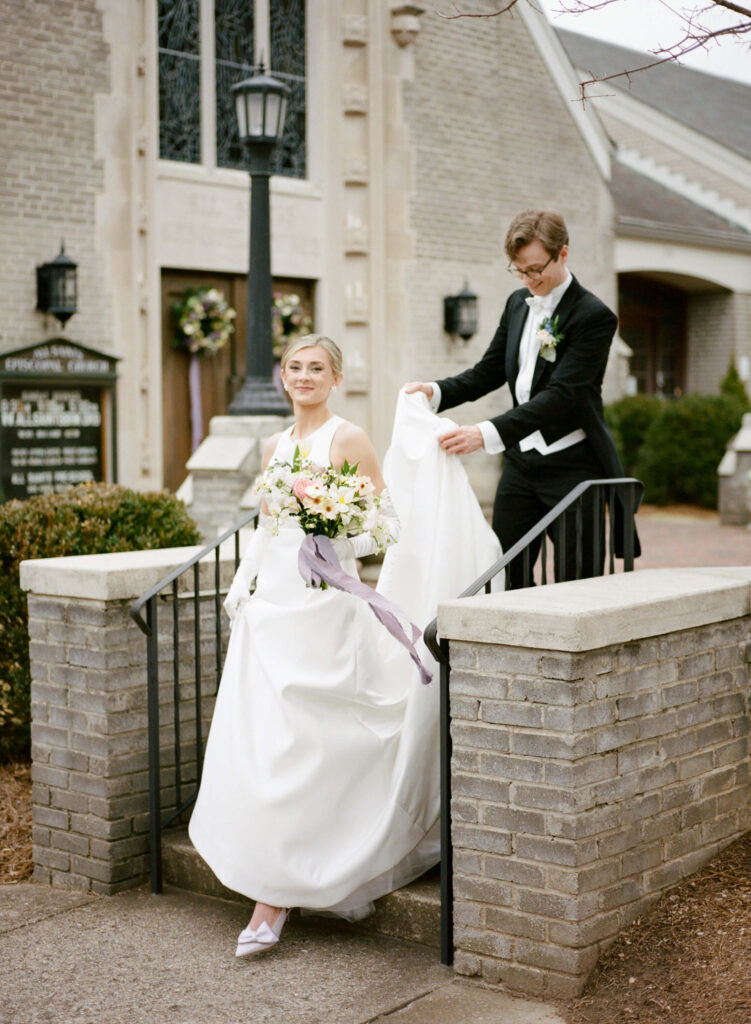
{"points": [[462, 440], [426, 389]]}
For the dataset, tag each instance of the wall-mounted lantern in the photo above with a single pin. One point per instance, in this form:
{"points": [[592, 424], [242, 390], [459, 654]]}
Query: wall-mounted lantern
{"points": [[460, 314], [57, 287]]}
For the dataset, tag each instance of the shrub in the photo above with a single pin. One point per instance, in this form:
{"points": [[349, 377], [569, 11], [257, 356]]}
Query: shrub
{"points": [[629, 420], [683, 447], [84, 520], [732, 386]]}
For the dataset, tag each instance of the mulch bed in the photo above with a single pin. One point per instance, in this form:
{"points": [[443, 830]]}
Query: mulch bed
{"points": [[687, 960], [15, 823]]}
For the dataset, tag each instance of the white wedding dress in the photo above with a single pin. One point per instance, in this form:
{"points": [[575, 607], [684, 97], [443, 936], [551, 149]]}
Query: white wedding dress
{"points": [[320, 782]]}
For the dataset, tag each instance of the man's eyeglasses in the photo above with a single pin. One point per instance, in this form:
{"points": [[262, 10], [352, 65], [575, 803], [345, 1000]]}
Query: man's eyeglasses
{"points": [[533, 273]]}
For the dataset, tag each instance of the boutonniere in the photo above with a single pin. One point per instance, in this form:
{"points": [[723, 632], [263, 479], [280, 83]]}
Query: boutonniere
{"points": [[548, 335]]}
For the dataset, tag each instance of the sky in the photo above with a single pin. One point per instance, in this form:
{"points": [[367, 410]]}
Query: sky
{"points": [[646, 25]]}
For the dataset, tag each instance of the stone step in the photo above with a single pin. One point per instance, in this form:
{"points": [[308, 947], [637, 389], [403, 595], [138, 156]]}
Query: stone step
{"points": [[412, 913]]}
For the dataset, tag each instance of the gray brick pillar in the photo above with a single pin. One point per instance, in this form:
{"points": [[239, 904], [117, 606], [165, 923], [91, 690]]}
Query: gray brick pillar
{"points": [[600, 754], [89, 723]]}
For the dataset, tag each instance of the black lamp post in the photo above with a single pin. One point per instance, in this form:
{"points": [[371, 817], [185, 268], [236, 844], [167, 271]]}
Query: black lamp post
{"points": [[260, 105], [57, 289]]}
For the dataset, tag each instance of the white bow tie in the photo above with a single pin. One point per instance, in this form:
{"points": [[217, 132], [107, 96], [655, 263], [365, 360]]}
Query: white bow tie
{"points": [[539, 304]]}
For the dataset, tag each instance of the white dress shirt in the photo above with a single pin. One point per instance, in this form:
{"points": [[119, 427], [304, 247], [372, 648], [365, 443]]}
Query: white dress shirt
{"points": [[541, 307]]}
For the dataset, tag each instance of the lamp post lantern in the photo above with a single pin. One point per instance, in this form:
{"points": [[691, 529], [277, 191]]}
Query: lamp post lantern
{"points": [[260, 105]]}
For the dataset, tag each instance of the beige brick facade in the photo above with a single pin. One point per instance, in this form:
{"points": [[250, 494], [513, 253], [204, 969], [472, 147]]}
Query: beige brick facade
{"points": [[55, 62]]}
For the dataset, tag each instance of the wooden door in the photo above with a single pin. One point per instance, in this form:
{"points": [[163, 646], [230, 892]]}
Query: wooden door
{"points": [[221, 375], [652, 322]]}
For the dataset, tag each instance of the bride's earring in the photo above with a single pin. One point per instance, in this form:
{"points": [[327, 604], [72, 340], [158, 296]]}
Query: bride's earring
{"points": [[333, 387]]}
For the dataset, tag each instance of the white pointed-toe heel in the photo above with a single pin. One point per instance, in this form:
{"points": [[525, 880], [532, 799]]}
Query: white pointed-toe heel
{"points": [[256, 940]]}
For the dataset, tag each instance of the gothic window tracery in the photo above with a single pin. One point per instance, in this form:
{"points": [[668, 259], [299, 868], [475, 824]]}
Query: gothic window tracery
{"points": [[236, 28]]}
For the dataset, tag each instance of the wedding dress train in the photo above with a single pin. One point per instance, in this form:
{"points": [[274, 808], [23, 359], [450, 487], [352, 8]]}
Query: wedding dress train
{"points": [[320, 781]]}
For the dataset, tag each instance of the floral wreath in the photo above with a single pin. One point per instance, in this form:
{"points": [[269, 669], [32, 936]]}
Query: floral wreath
{"points": [[204, 321], [288, 320]]}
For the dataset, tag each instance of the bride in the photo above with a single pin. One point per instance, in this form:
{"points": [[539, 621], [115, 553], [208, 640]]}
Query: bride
{"points": [[320, 780]]}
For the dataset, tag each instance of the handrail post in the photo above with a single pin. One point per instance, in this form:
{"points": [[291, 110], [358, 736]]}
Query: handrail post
{"points": [[447, 859], [155, 797]]}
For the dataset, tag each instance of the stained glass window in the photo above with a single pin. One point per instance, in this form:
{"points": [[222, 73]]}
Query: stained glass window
{"points": [[287, 21], [179, 81], [233, 26], [179, 78], [234, 59]]}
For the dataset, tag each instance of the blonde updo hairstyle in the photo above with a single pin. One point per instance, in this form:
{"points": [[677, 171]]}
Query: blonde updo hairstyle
{"points": [[309, 341]]}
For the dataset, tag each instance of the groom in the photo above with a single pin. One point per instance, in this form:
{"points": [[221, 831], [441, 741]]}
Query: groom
{"points": [[551, 347]]}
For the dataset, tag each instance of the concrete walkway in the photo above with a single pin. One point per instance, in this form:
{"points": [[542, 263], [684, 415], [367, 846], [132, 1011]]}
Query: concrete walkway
{"points": [[679, 536], [135, 958]]}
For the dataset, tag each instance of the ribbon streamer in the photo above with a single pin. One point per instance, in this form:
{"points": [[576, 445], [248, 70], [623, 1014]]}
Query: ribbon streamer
{"points": [[196, 408], [318, 563]]}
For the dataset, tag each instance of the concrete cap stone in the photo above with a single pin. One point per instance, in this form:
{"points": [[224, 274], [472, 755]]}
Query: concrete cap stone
{"points": [[586, 614], [247, 426], [117, 576], [222, 454]]}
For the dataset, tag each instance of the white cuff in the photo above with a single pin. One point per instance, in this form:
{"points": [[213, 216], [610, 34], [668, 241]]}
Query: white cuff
{"points": [[435, 401], [491, 439]]}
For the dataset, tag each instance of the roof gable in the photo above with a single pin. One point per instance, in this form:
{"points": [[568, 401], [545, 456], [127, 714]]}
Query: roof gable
{"points": [[718, 108]]}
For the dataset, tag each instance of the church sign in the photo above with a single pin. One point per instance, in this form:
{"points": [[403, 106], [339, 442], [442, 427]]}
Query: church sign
{"points": [[57, 418]]}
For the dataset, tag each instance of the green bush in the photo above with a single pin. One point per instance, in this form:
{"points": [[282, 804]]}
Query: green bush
{"points": [[683, 447], [84, 520], [629, 420], [732, 386]]}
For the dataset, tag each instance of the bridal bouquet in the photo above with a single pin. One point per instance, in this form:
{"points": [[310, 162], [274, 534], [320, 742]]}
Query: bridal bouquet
{"points": [[324, 501]]}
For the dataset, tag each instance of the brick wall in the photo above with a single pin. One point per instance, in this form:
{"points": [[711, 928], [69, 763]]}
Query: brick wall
{"points": [[55, 62], [587, 782], [711, 341], [89, 720]]}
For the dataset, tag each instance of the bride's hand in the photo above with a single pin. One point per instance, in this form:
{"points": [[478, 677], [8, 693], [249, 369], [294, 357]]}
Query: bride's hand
{"points": [[462, 440], [416, 385]]}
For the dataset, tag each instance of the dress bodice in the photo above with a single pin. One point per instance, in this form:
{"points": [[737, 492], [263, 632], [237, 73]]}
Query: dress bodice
{"points": [[316, 446]]}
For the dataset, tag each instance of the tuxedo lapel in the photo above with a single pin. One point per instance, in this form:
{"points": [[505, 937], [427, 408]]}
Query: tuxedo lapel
{"points": [[516, 326]]}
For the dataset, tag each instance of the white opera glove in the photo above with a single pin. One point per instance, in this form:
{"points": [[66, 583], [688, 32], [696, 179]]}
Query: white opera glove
{"points": [[354, 547], [239, 591], [365, 543]]}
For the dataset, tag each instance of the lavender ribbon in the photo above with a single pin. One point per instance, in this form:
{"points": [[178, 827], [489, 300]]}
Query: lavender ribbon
{"points": [[318, 563], [196, 409]]}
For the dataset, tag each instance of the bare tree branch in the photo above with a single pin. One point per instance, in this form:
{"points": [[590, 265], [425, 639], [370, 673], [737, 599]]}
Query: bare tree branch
{"points": [[490, 14], [697, 34]]}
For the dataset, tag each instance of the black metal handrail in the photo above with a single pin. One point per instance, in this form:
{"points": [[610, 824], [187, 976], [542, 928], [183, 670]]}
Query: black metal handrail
{"points": [[627, 490], [149, 627], [624, 490]]}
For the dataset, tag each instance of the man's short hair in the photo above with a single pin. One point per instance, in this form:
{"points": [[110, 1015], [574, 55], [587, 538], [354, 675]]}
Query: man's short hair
{"points": [[546, 226]]}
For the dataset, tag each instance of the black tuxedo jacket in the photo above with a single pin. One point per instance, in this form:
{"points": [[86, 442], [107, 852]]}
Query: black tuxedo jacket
{"points": [[566, 394]]}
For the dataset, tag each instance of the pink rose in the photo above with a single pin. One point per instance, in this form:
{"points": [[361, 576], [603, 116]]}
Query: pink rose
{"points": [[300, 488]]}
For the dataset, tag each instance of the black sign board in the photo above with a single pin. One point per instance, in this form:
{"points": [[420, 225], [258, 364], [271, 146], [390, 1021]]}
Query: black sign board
{"points": [[56, 418]]}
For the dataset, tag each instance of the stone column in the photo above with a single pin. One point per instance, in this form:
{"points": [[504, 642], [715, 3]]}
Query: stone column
{"points": [[600, 754], [88, 701]]}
